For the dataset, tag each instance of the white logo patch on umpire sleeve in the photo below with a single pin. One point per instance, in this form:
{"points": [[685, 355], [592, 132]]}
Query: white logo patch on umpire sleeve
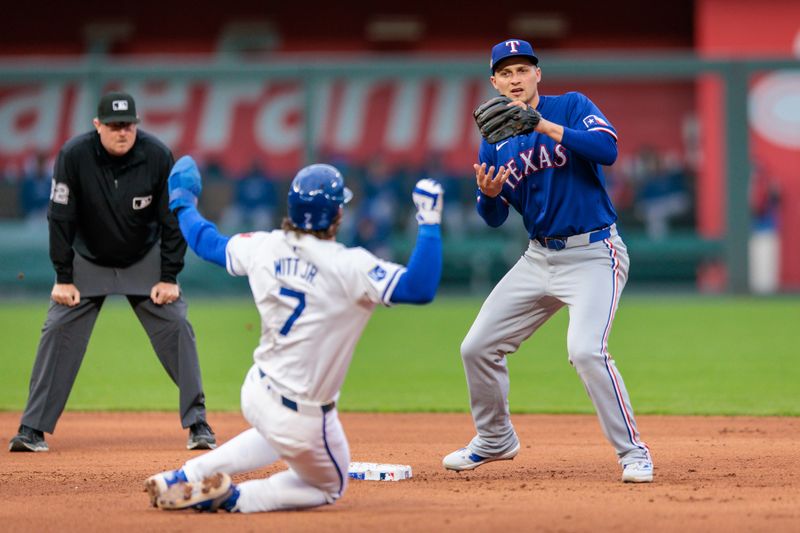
{"points": [[140, 202], [59, 193], [377, 273]]}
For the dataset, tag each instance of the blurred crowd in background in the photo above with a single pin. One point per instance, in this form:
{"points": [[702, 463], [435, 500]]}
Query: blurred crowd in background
{"points": [[653, 193]]}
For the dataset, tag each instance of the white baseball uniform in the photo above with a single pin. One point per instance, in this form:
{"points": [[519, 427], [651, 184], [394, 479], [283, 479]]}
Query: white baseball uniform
{"points": [[314, 297]]}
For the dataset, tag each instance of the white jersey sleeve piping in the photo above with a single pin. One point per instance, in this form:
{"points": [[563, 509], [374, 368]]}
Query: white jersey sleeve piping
{"points": [[386, 297]]}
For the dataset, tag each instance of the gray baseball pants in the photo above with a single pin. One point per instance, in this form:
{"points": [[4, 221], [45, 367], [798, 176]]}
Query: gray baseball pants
{"points": [[587, 279], [63, 343], [67, 330]]}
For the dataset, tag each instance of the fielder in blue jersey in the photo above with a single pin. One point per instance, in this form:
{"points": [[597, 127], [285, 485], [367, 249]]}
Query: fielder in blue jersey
{"points": [[575, 258]]}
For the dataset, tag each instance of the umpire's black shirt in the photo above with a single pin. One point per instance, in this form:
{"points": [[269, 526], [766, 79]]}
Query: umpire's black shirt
{"points": [[113, 210]]}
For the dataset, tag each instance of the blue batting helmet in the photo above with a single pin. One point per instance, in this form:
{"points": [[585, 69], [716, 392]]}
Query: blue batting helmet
{"points": [[316, 195]]}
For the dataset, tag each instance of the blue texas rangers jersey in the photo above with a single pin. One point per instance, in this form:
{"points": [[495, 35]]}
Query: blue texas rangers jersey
{"points": [[558, 192]]}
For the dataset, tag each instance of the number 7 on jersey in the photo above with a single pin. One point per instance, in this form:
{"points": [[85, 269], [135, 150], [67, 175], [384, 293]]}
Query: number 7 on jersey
{"points": [[301, 304]]}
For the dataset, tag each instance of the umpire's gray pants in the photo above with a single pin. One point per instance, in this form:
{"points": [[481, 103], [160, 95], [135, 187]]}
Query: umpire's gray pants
{"points": [[62, 346]]}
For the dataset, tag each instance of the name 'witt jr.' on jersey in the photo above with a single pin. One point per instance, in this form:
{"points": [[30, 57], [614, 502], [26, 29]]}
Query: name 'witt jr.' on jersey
{"points": [[294, 266]]}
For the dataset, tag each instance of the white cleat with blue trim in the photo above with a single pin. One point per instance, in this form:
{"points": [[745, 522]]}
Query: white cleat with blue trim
{"points": [[638, 472], [464, 459], [158, 484], [209, 495]]}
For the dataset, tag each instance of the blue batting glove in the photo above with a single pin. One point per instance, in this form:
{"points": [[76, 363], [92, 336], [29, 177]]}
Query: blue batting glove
{"points": [[184, 184]]}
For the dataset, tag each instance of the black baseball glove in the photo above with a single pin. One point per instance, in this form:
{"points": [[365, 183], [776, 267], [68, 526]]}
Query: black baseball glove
{"points": [[497, 120]]}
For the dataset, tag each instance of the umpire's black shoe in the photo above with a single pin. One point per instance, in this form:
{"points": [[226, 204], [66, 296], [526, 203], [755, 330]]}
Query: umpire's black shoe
{"points": [[28, 440], [201, 437]]}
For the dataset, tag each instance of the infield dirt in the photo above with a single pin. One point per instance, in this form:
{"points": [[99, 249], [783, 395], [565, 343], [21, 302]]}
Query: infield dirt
{"points": [[712, 474]]}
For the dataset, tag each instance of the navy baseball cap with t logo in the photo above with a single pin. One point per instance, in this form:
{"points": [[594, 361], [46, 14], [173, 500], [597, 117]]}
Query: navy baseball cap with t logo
{"points": [[512, 48], [117, 107]]}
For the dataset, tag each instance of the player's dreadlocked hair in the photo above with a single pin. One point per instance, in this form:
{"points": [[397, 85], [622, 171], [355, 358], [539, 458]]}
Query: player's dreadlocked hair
{"points": [[328, 233]]}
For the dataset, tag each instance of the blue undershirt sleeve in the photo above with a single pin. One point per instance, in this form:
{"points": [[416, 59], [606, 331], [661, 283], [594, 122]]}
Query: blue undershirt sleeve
{"points": [[597, 146], [202, 236], [494, 211], [418, 284]]}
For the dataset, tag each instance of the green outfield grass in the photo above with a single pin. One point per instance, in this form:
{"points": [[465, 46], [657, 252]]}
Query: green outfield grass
{"points": [[679, 355]]}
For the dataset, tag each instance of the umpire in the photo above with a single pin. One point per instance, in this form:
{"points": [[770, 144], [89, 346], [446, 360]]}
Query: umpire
{"points": [[109, 204]]}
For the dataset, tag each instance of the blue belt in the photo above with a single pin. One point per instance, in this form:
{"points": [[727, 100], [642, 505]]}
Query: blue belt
{"points": [[291, 404], [559, 243]]}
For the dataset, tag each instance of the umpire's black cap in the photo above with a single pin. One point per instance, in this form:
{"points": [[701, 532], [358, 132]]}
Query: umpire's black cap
{"points": [[117, 107]]}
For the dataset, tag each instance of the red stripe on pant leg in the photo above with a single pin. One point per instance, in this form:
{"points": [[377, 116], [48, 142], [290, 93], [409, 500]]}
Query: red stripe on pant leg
{"points": [[612, 312]]}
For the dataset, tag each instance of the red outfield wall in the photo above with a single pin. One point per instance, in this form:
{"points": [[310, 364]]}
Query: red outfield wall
{"points": [[401, 119], [405, 119], [735, 28]]}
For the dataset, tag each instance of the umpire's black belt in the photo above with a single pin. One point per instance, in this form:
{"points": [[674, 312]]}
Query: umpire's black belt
{"points": [[559, 243], [293, 405]]}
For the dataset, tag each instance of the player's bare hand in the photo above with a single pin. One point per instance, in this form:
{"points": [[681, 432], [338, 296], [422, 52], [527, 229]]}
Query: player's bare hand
{"points": [[489, 183], [66, 294], [164, 293]]}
